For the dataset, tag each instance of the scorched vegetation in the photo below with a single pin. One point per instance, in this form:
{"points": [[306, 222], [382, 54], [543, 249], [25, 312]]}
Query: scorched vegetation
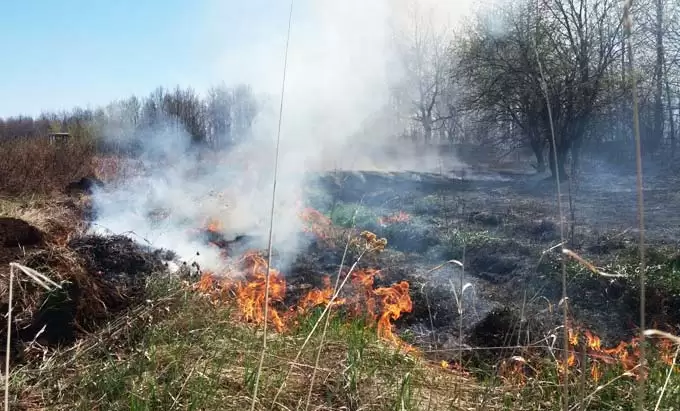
{"points": [[413, 261]]}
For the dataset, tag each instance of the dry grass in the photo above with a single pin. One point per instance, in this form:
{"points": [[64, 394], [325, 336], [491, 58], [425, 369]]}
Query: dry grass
{"points": [[60, 220], [32, 166], [59, 217], [184, 353], [180, 351]]}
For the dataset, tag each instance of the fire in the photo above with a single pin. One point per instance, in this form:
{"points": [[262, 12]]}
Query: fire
{"points": [[316, 223], [383, 305], [362, 280], [250, 295], [205, 283], [213, 225], [400, 217], [624, 354], [593, 341], [573, 337], [318, 297], [595, 372], [395, 300]]}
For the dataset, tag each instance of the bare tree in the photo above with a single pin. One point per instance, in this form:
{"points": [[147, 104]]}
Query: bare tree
{"points": [[422, 93], [555, 54]]}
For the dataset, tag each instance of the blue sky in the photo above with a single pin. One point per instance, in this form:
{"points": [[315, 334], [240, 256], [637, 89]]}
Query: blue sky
{"points": [[58, 54]]}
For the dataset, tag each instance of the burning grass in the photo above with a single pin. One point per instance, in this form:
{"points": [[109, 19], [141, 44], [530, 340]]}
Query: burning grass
{"points": [[181, 351], [184, 352], [245, 283], [197, 345]]}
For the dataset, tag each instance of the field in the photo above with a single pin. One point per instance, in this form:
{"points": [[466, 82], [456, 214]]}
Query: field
{"points": [[461, 310]]}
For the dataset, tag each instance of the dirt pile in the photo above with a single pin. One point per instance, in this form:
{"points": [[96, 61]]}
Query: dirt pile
{"points": [[98, 277], [85, 185], [18, 233]]}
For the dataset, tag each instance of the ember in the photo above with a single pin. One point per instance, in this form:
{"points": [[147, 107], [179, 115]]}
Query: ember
{"points": [[625, 354], [400, 217]]}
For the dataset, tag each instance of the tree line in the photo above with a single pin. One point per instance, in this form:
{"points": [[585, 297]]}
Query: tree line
{"points": [[511, 77], [220, 119]]}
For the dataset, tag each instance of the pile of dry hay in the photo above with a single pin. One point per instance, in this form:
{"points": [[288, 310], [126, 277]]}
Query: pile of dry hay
{"points": [[98, 276]]}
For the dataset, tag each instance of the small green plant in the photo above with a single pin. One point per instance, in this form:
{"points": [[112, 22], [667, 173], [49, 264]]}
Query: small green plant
{"points": [[352, 215], [458, 240]]}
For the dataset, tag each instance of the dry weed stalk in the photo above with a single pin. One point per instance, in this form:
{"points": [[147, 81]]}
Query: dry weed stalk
{"points": [[271, 215], [628, 26], [553, 140], [589, 265], [44, 282]]}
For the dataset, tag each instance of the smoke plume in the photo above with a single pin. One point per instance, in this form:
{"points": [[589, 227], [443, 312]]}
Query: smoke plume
{"points": [[336, 115]]}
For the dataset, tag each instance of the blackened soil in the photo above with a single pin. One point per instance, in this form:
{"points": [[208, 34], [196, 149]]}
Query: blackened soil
{"points": [[505, 229]]}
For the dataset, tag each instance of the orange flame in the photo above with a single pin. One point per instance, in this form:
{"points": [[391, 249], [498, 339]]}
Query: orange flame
{"points": [[250, 294], [573, 337], [395, 300], [316, 223], [205, 283], [625, 354], [592, 341], [363, 280], [318, 297], [383, 305], [595, 372], [400, 217], [213, 225]]}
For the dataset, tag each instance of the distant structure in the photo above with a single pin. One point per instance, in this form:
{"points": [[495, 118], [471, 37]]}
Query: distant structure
{"points": [[55, 138]]}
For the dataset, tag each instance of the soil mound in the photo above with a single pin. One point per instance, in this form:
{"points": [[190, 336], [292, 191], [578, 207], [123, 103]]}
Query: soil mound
{"points": [[84, 185], [18, 233], [99, 278]]}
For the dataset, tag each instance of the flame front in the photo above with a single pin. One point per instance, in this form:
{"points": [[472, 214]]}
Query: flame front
{"points": [[318, 297], [382, 305], [395, 300], [250, 294], [625, 354], [400, 217]]}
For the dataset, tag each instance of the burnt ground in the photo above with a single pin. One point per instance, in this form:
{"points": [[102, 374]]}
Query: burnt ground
{"points": [[99, 277], [500, 225]]}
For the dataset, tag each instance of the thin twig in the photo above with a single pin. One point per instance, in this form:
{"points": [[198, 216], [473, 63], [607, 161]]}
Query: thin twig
{"points": [[565, 318], [9, 335], [628, 24], [271, 217]]}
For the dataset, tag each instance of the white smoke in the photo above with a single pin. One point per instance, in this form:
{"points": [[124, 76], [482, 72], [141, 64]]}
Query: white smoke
{"points": [[341, 65]]}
